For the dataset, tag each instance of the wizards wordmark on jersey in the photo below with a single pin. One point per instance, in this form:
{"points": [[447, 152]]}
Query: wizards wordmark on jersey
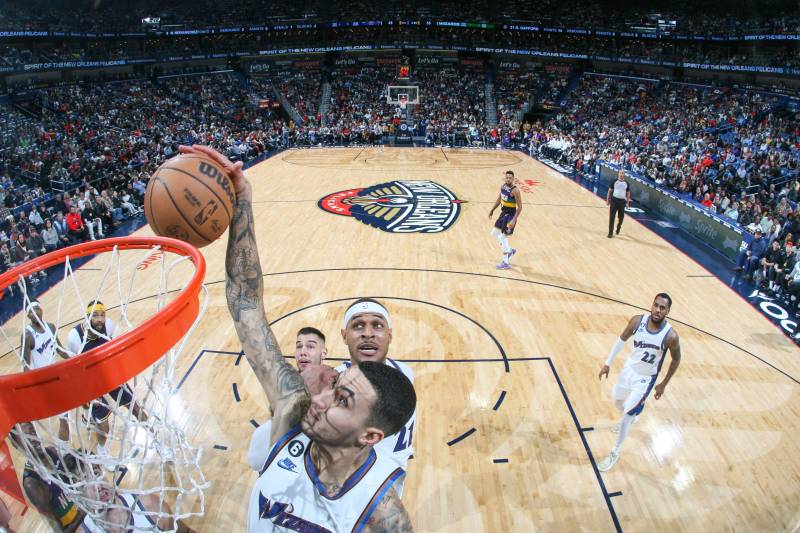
{"points": [[417, 206]]}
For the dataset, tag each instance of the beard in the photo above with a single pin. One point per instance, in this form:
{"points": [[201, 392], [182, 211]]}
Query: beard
{"points": [[99, 329]]}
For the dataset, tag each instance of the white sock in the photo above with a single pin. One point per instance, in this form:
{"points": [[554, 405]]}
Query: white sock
{"points": [[625, 427], [506, 247], [501, 237], [498, 235]]}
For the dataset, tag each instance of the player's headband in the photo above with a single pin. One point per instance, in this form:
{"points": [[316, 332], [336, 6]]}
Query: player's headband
{"points": [[95, 308], [366, 307], [33, 305]]}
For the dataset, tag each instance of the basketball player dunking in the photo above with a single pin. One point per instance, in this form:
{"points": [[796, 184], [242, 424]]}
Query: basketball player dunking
{"points": [[510, 202], [322, 473], [652, 337]]}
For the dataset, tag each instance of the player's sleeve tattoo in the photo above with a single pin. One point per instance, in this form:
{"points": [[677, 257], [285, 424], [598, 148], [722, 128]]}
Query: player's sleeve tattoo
{"points": [[244, 290], [390, 516]]}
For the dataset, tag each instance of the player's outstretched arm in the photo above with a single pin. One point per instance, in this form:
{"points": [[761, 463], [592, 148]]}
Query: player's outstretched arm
{"points": [[244, 289], [390, 516], [674, 346], [630, 329]]}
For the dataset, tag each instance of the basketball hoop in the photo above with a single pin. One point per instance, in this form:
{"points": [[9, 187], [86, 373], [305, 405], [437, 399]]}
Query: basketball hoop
{"points": [[156, 323]]}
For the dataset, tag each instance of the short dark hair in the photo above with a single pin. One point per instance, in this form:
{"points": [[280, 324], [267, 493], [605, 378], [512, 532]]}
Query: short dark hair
{"points": [[665, 296], [308, 330], [510, 172], [395, 397]]}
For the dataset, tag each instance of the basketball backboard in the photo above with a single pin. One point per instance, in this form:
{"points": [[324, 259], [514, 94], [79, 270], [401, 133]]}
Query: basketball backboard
{"points": [[410, 92]]}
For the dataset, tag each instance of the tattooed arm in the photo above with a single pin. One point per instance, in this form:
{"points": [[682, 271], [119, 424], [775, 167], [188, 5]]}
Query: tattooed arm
{"points": [[244, 289], [390, 516]]}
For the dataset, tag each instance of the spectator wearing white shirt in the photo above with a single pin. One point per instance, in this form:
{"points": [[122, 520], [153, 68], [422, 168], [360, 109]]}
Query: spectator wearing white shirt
{"points": [[766, 224], [733, 211], [35, 218]]}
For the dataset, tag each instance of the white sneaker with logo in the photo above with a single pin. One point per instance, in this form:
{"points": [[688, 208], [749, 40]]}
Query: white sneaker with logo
{"points": [[606, 464]]}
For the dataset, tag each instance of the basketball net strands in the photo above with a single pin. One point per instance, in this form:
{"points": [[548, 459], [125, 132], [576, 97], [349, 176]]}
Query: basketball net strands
{"points": [[151, 287]]}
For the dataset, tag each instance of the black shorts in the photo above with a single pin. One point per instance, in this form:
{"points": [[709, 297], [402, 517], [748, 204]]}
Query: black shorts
{"points": [[100, 409], [503, 220]]}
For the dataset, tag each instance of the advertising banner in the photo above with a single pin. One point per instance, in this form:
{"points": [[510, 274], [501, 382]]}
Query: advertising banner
{"points": [[721, 235]]}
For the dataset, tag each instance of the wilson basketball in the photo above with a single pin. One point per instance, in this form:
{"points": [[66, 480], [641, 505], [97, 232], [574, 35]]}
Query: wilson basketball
{"points": [[189, 197]]}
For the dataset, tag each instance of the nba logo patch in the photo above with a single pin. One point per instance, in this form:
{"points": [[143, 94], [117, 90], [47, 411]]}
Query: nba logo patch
{"points": [[398, 206]]}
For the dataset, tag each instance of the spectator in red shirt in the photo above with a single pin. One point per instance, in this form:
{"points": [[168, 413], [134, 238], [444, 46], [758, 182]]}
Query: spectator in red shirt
{"points": [[77, 229]]}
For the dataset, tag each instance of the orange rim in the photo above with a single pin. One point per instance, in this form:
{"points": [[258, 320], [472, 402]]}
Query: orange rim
{"points": [[54, 389]]}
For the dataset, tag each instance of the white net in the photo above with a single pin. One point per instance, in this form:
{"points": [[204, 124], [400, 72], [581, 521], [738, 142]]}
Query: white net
{"points": [[123, 459]]}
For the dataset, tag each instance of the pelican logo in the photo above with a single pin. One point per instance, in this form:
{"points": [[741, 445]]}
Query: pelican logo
{"points": [[398, 206]]}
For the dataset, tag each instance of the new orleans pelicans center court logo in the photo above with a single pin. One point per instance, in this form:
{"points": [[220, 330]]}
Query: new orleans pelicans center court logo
{"points": [[398, 206]]}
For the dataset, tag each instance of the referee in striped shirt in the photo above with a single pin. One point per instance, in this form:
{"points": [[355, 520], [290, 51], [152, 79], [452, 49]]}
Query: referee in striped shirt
{"points": [[619, 197]]}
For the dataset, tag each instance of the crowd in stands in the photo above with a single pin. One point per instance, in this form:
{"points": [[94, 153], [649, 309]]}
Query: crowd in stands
{"points": [[736, 153], [516, 92], [81, 169], [454, 101], [357, 108], [80, 166], [15, 54], [699, 16], [302, 88]]}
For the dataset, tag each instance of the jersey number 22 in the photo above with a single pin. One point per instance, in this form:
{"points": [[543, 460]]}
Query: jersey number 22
{"points": [[649, 357]]}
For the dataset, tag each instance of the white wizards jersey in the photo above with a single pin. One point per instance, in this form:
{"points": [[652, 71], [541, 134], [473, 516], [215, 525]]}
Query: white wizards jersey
{"points": [[648, 348], [288, 496], [43, 351], [398, 446]]}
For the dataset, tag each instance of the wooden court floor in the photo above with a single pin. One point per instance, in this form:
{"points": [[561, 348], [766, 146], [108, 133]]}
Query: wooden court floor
{"points": [[511, 415]]}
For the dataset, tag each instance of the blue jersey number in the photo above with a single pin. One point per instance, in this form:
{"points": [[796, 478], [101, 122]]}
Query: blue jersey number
{"points": [[649, 357], [402, 443]]}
